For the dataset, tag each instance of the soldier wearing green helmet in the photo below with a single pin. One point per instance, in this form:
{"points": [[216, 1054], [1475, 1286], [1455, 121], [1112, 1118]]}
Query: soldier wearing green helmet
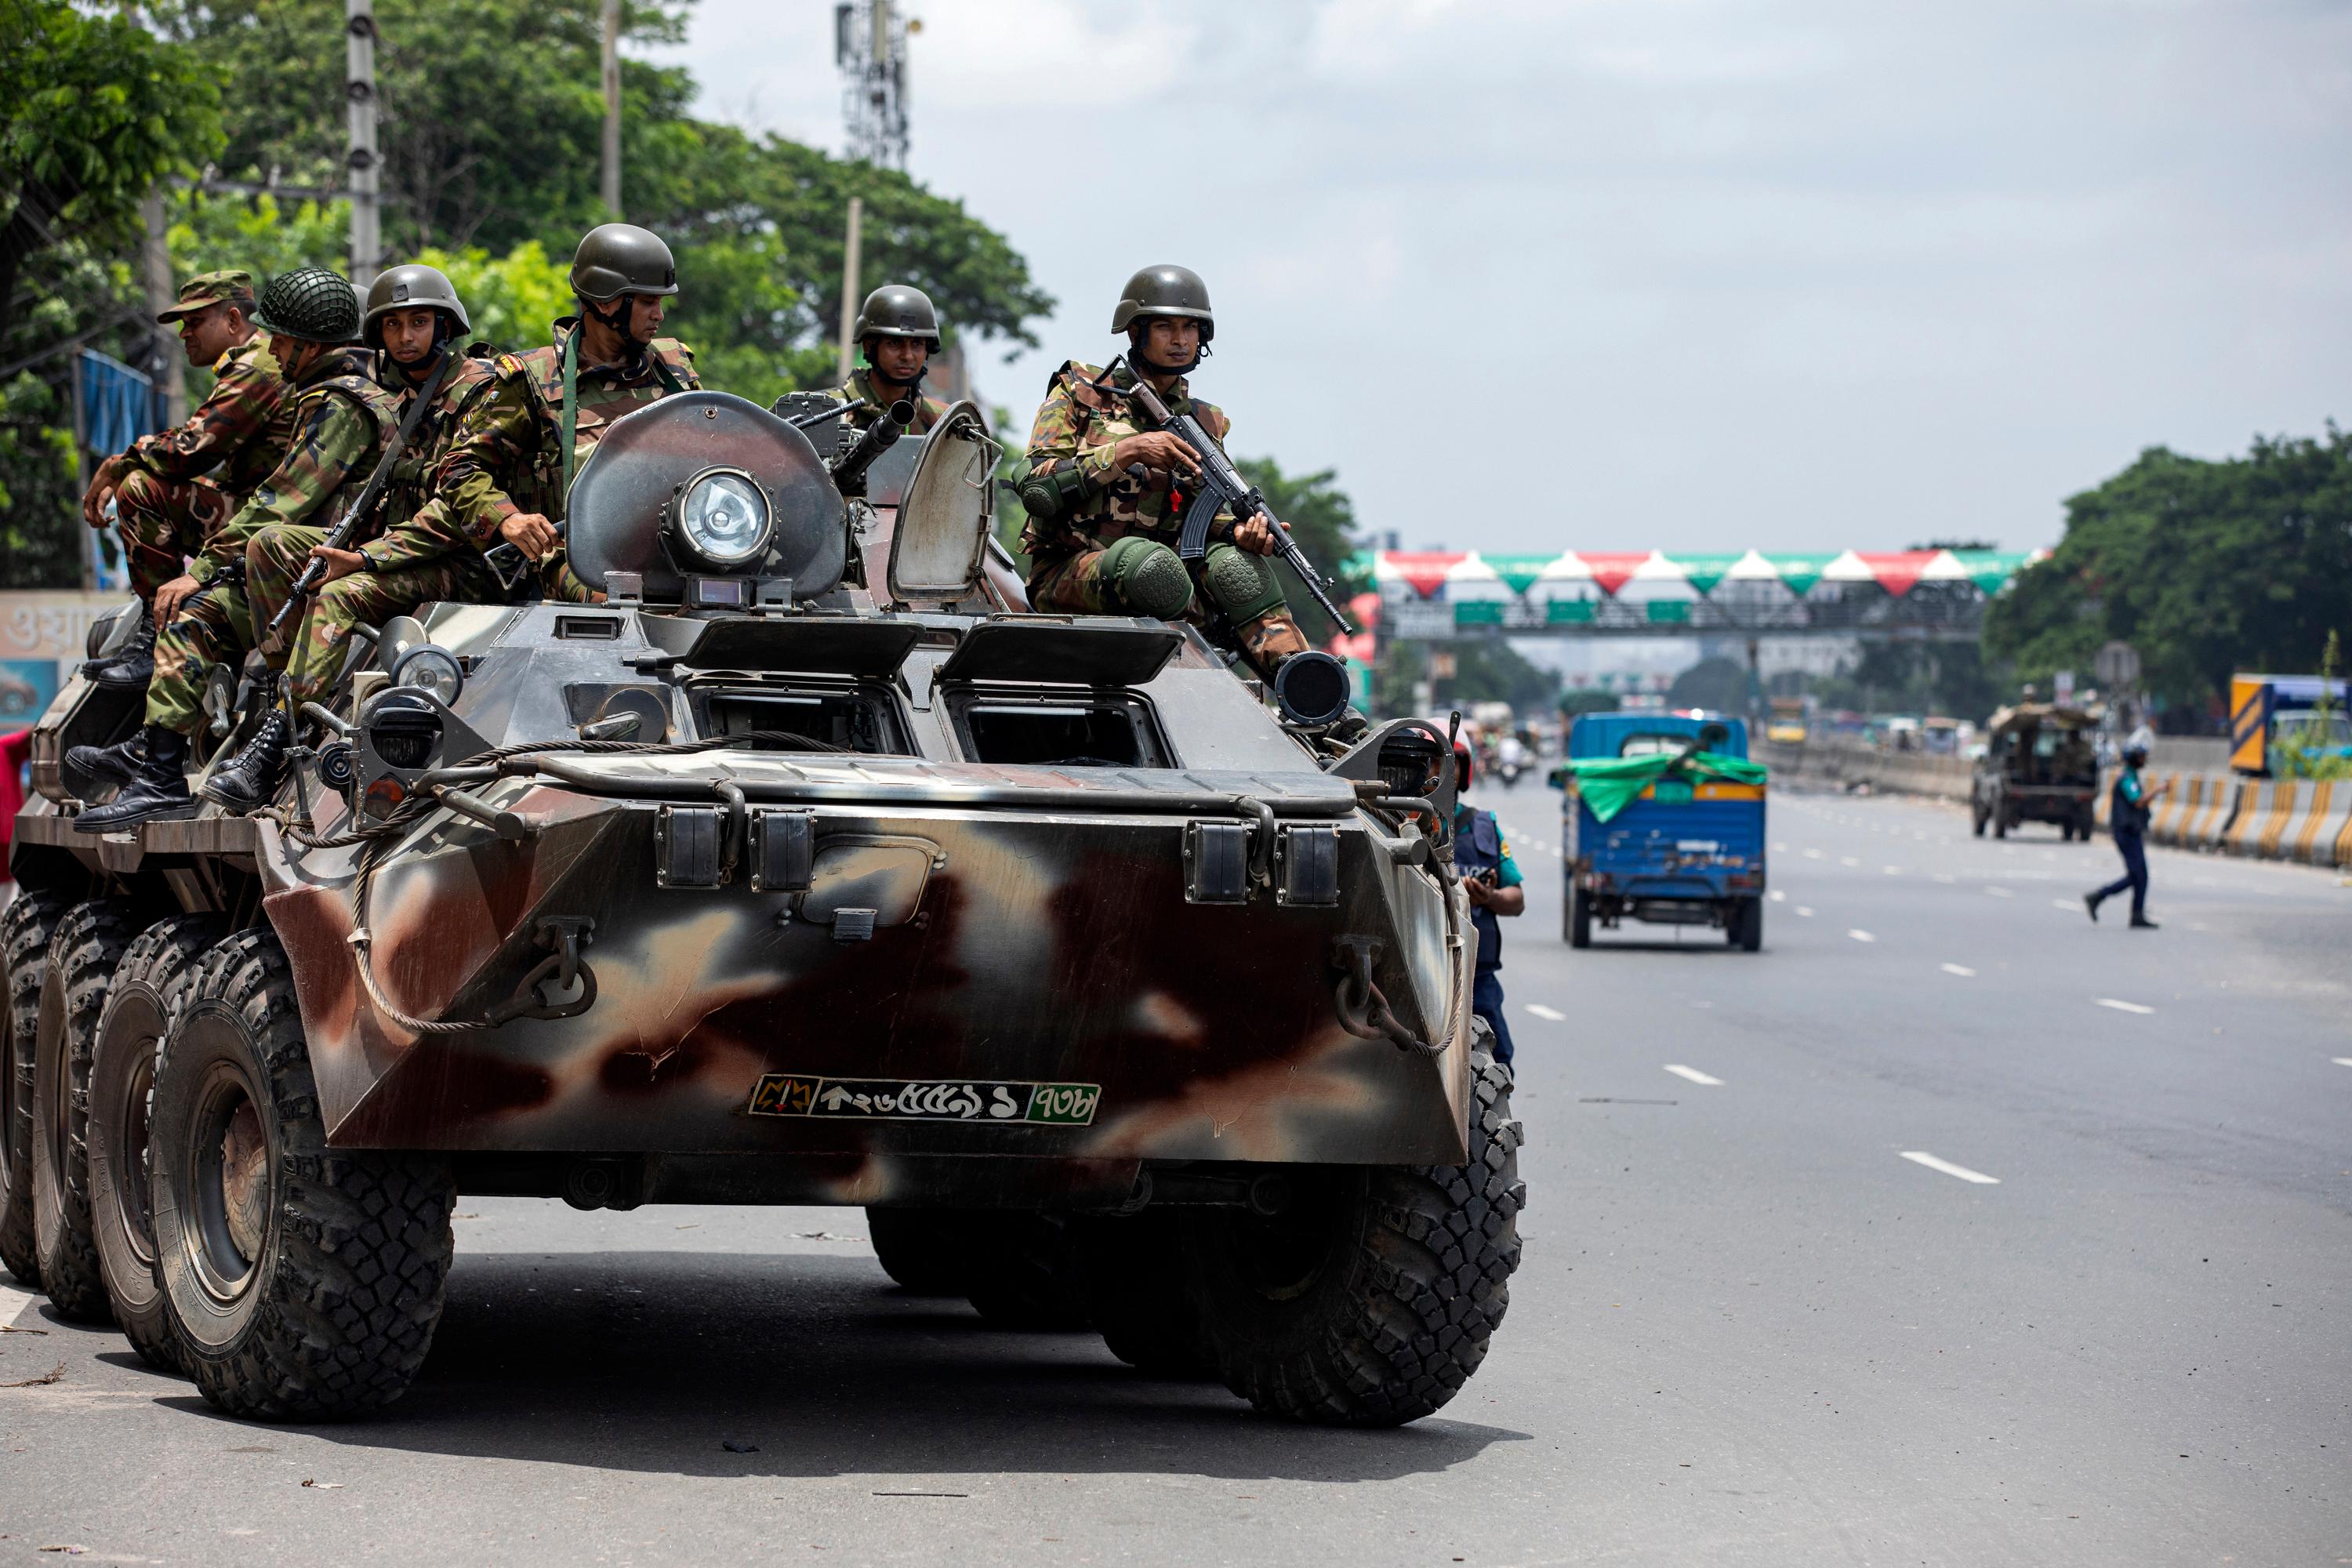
{"points": [[342, 417], [519, 442], [896, 332], [1105, 496]]}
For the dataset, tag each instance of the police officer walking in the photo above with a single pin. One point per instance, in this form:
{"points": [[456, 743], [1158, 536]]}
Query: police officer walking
{"points": [[1492, 879], [2128, 813]]}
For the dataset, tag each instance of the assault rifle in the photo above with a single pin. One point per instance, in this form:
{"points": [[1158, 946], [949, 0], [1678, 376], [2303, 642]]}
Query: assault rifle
{"points": [[341, 536], [1222, 486]]}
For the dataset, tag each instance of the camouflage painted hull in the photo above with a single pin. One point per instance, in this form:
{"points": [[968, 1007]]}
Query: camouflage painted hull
{"points": [[1035, 986]]}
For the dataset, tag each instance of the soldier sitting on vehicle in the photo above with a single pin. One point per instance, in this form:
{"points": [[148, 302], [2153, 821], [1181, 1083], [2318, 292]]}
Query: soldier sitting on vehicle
{"points": [[342, 417], [898, 332], [1107, 497], [418, 325], [172, 489], [509, 468]]}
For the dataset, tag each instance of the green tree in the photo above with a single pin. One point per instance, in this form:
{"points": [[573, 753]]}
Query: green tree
{"points": [[1323, 521]]}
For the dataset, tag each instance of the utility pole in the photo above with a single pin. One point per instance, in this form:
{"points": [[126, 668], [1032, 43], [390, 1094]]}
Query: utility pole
{"points": [[613, 107], [163, 293], [849, 301], [366, 171]]}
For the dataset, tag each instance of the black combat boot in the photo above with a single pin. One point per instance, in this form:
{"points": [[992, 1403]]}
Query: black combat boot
{"points": [[157, 792], [249, 779], [128, 668], [115, 764]]}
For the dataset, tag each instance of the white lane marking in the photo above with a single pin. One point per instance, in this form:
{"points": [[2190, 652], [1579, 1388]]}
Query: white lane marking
{"points": [[1848, 861], [1558, 853], [1548, 1015], [2001, 892], [1778, 897], [2069, 904], [2121, 1007], [1860, 936], [1779, 850], [1813, 854], [1694, 1075], [1921, 1157], [1962, 970], [1947, 881], [1805, 910], [2339, 1061], [13, 1302], [1892, 870]]}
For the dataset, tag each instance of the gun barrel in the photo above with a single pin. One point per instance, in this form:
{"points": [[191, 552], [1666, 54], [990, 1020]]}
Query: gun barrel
{"points": [[849, 474]]}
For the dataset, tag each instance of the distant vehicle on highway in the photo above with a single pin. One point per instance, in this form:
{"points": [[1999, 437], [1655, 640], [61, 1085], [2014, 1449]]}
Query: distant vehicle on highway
{"points": [[1664, 823], [2273, 713], [1787, 727], [2040, 764]]}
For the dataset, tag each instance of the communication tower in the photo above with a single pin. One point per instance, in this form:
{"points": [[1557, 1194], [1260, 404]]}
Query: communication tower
{"points": [[869, 46]]}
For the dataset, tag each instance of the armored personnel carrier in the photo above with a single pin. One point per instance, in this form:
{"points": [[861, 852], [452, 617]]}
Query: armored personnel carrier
{"points": [[806, 867]]}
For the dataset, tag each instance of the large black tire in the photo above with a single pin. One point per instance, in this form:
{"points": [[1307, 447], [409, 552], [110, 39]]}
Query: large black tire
{"points": [[84, 953], [1578, 916], [25, 931], [304, 1283], [1372, 1298], [1024, 1275], [147, 990], [1747, 932], [2001, 824], [926, 1251], [1133, 1275], [1980, 817]]}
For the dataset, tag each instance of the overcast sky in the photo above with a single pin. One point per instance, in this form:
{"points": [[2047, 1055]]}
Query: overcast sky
{"points": [[1682, 274]]}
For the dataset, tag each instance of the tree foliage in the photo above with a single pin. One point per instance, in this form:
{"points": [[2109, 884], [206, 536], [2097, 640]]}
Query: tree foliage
{"points": [[2206, 567], [1323, 521]]}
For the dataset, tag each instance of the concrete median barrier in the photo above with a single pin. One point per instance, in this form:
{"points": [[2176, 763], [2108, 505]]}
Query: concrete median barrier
{"points": [[2320, 819], [2263, 811], [2174, 812]]}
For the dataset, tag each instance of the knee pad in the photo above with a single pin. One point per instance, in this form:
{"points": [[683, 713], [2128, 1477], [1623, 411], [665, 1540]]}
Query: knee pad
{"points": [[1240, 584], [1147, 577]]}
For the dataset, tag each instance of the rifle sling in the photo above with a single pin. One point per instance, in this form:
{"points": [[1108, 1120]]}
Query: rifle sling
{"points": [[400, 438]]}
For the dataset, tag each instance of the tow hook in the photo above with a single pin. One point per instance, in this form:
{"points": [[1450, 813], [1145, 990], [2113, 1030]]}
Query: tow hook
{"points": [[565, 936], [1364, 1011]]}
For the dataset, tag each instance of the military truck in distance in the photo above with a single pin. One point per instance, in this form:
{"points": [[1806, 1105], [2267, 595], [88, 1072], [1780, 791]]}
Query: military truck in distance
{"points": [[807, 867]]}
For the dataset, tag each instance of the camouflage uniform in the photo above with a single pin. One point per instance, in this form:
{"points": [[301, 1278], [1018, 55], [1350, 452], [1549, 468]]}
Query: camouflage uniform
{"points": [[177, 487], [342, 418], [414, 564], [507, 455], [1078, 427], [928, 410]]}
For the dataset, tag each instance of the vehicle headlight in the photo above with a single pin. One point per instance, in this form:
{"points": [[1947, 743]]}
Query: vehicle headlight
{"points": [[721, 515], [430, 669]]}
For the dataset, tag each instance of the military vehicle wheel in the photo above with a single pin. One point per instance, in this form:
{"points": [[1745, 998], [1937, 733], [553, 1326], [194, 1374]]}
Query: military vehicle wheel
{"points": [[1579, 917], [1134, 1280], [1982, 817], [1023, 1275], [1372, 1298], [25, 931], [1745, 930], [84, 953], [304, 1283], [154, 977], [926, 1251], [2001, 825]]}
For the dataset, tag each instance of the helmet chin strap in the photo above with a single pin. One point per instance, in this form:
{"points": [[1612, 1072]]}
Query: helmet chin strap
{"points": [[1138, 355], [617, 319], [874, 369]]}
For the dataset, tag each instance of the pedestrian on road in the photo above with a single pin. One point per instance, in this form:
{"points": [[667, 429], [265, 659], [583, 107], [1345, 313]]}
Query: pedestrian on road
{"points": [[2128, 813], [1492, 879]]}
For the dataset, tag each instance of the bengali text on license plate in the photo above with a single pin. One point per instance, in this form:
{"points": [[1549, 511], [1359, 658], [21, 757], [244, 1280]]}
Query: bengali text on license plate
{"points": [[920, 1100]]}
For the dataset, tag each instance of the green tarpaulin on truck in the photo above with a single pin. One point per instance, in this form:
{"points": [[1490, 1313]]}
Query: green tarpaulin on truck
{"points": [[1607, 783]]}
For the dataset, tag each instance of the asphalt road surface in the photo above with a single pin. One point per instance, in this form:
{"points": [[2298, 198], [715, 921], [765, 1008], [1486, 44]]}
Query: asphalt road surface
{"points": [[1951, 1229]]}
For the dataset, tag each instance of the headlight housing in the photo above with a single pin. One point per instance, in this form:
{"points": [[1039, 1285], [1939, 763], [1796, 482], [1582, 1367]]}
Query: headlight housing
{"points": [[430, 669], [722, 519]]}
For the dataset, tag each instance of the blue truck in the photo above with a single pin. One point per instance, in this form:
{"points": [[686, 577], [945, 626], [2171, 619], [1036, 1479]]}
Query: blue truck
{"points": [[1687, 849]]}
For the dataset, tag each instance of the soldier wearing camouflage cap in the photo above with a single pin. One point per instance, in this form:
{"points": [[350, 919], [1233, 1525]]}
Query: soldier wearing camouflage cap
{"points": [[169, 491], [342, 416], [510, 466], [417, 325], [1107, 497], [896, 331]]}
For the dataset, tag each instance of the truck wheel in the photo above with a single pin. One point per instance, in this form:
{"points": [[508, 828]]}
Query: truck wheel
{"points": [[1134, 1282], [1746, 930], [83, 956], [2001, 826], [1981, 817], [25, 931], [303, 1282], [2066, 831], [138, 1006], [1579, 917], [1372, 1298], [1023, 1273], [925, 1250]]}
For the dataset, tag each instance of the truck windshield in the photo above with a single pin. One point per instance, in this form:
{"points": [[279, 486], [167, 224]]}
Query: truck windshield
{"points": [[1647, 745]]}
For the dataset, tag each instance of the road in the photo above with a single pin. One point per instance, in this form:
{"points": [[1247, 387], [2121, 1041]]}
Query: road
{"points": [[1951, 1229]]}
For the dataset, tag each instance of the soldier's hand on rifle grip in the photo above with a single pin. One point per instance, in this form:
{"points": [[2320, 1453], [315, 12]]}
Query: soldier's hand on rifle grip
{"points": [[340, 564], [531, 533], [1253, 534], [1160, 449]]}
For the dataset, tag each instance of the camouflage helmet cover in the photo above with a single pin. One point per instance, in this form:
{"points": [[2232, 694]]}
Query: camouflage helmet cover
{"points": [[315, 304], [898, 311], [412, 287], [617, 259], [1165, 290]]}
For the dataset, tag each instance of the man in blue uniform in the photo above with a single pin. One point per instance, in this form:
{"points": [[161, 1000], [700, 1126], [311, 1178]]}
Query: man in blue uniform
{"points": [[2127, 817], [1492, 878]]}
